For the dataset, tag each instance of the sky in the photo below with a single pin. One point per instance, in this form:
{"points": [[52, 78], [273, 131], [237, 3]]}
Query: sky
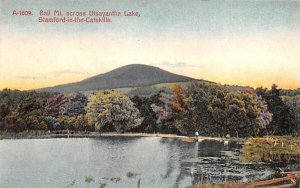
{"points": [[248, 43]]}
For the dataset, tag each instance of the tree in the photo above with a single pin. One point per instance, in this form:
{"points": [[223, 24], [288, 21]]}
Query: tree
{"points": [[179, 97], [265, 117], [181, 112], [52, 123], [282, 119], [75, 104], [77, 123], [30, 109], [22, 110], [9, 99], [236, 112], [217, 108], [112, 110], [200, 97], [143, 104], [13, 123], [52, 107], [169, 111], [4, 111], [66, 112], [163, 111], [72, 113], [293, 103]]}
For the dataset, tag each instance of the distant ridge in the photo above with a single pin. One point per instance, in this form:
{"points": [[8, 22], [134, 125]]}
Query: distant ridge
{"points": [[134, 75]]}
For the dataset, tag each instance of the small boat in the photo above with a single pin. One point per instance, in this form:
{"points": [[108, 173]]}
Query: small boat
{"points": [[189, 139]]}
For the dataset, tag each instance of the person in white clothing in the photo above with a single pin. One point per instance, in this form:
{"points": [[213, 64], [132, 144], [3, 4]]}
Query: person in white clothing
{"points": [[197, 134]]}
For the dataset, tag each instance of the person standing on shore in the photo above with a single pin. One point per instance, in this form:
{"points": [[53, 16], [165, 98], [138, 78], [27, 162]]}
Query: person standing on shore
{"points": [[197, 135]]}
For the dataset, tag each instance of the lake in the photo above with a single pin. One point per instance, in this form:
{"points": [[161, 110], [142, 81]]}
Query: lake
{"points": [[121, 162]]}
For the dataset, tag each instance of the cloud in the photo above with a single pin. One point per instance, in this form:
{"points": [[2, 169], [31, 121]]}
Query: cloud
{"points": [[41, 75], [65, 71], [31, 77], [179, 65]]}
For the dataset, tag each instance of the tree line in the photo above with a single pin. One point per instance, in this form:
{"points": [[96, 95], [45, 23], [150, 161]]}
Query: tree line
{"points": [[211, 109]]}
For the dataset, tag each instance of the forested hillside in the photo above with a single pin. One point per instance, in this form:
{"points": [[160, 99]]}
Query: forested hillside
{"points": [[209, 108]]}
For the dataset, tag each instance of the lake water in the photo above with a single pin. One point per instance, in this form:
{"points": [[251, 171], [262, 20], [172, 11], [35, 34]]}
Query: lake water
{"points": [[157, 162]]}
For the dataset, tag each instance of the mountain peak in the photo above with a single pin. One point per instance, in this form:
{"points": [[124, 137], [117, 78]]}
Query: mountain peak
{"points": [[133, 75]]}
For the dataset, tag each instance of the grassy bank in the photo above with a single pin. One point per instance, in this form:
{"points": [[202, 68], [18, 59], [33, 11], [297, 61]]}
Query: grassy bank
{"points": [[285, 182], [271, 149]]}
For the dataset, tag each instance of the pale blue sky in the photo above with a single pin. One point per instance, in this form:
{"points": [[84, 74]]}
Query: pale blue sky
{"points": [[234, 42], [196, 17]]}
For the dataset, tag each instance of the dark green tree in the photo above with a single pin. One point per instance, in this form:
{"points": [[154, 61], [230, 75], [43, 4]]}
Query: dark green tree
{"points": [[31, 108], [282, 122], [200, 96], [149, 124]]}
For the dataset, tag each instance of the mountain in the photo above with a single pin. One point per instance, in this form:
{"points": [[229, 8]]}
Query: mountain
{"points": [[135, 75]]}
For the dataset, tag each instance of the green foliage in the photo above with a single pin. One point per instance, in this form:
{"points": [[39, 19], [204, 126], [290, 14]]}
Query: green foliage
{"points": [[170, 110], [237, 113], [78, 123], [52, 107], [216, 110], [30, 109], [75, 104], [52, 123], [13, 123], [184, 106], [4, 110], [11, 97], [293, 103], [289, 92], [24, 110], [112, 111], [209, 108], [9, 100], [283, 121], [143, 104]]}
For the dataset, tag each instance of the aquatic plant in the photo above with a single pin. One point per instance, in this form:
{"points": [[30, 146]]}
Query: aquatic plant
{"points": [[131, 174], [271, 149], [89, 179], [214, 185], [102, 185], [115, 180]]}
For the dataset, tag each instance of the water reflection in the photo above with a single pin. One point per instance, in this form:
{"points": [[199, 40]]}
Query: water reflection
{"points": [[210, 161], [157, 162]]}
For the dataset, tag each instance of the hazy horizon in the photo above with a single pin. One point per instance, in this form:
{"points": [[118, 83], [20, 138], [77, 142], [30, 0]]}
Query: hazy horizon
{"points": [[246, 43], [141, 64]]}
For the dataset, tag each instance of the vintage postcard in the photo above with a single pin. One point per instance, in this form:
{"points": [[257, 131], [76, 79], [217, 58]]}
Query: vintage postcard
{"points": [[149, 93]]}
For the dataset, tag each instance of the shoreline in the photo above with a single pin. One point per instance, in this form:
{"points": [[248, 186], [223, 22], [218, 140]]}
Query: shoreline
{"points": [[72, 134], [47, 135]]}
